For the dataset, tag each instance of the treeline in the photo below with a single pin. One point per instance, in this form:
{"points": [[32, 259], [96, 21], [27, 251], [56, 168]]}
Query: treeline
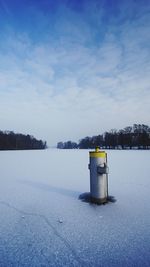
{"points": [[136, 136], [12, 141]]}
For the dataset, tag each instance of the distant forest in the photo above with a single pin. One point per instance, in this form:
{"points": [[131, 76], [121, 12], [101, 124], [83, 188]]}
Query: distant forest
{"points": [[12, 141], [131, 137]]}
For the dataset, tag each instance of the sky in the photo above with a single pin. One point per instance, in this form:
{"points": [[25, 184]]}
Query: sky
{"points": [[73, 68]]}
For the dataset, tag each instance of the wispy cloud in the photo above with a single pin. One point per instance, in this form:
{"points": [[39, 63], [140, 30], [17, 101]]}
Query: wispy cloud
{"points": [[73, 82]]}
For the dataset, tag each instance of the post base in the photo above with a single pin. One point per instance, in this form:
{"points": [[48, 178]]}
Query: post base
{"points": [[99, 200]]}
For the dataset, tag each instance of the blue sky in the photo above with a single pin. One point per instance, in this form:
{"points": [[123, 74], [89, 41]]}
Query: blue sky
{"points": [[70, 69]]}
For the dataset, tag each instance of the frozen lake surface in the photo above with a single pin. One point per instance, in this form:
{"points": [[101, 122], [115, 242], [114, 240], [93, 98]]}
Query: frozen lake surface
{"points": [[43, 223]]}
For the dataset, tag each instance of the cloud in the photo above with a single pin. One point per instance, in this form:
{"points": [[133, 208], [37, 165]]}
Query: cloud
{"points": [[73, 84]]}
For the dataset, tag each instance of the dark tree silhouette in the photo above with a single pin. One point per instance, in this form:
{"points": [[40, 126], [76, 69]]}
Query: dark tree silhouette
{"points": [[137, 136], [67, 145], [12, 141]]}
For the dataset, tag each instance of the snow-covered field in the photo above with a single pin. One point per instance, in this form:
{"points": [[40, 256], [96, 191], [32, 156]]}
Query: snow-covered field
{"points": [[43, 223]]}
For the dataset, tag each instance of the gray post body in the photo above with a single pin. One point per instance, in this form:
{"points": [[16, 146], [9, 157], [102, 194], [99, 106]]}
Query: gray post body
{"points": [[98, 179]]}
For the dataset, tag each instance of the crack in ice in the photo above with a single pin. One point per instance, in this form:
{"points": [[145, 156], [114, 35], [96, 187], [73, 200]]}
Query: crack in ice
{"points": [[66, 242]]}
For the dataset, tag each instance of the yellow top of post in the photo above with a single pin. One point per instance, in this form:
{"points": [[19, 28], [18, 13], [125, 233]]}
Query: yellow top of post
{"points": [[97, 153], [97, 149]]}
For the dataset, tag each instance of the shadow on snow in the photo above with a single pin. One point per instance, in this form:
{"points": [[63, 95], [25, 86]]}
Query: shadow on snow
{"points": [[84, 197], [51, 188]]}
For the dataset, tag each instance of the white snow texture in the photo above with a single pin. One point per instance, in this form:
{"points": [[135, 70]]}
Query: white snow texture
{"points": [[44, 223]]}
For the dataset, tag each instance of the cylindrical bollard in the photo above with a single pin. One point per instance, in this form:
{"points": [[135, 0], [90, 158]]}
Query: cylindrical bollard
{"points": [[98, 176]]}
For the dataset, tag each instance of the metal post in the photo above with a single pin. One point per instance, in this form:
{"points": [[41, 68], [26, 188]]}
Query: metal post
{"points": [[98, 176]]}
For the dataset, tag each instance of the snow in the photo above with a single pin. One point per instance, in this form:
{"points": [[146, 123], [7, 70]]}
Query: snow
{"points": [[44, 223]]}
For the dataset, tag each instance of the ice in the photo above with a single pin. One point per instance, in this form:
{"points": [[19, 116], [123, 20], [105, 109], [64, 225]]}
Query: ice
{"points": [[44, 223]]}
